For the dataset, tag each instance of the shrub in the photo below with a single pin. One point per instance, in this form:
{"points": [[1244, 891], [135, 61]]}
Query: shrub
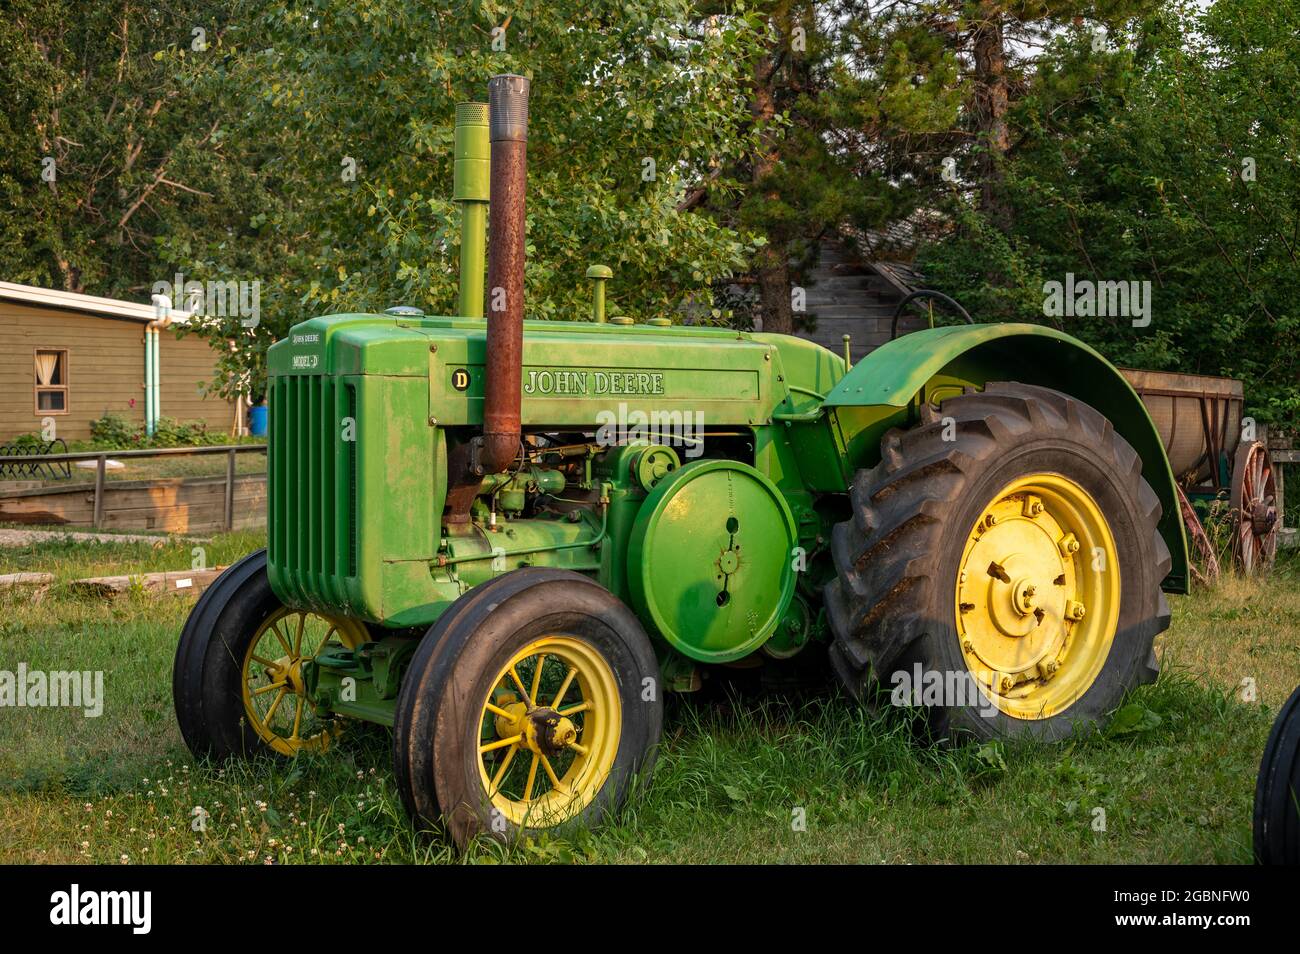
{"points": [[173, 433], [117, 432]]}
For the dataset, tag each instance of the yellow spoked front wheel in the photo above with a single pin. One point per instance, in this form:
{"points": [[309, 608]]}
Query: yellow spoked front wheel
{"points": [[533, 702], [550, 730], [275, 698], [1037, 596]]}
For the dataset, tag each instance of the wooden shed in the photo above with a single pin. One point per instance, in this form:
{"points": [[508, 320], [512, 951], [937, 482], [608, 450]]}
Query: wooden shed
{"points": [[852, 294], [73, 358]]}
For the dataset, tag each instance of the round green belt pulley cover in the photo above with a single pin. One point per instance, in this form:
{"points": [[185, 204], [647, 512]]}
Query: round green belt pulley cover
{"points": [[710, 560]]}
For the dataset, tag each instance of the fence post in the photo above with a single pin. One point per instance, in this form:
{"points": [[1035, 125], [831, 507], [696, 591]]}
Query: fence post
{"points": [[230, 490], [100, 467]]}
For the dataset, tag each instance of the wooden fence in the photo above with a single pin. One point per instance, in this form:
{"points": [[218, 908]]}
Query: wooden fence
{"points": [[174, 504]]}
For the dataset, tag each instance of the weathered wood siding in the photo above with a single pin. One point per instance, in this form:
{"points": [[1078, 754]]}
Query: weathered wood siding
{"points": [[187, 370], [105, 371], [847, 298]]}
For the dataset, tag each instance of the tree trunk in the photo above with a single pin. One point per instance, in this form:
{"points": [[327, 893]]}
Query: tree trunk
{"points": [[773, 266], [991, 97]]}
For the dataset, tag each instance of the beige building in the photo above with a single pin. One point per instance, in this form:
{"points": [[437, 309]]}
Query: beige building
{"points": [[73, 358]]}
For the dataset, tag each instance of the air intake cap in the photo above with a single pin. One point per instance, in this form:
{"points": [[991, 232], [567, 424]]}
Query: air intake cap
{"points": [[508, 107]]}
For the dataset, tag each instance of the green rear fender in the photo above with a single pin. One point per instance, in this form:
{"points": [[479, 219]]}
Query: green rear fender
{"points": [[885, 388]]}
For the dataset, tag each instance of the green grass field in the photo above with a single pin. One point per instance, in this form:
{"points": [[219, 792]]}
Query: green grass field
{"points": [[736, 772]]}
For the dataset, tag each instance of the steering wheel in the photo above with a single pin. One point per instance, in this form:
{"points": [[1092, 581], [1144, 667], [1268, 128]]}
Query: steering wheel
{"points": [[926, 293]]}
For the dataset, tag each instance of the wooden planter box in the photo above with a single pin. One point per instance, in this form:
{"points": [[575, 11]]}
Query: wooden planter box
{"points": [[172, 504]]}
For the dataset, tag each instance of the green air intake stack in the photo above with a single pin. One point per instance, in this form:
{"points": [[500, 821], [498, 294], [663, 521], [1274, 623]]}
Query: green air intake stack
{"points": [[470, 188]]}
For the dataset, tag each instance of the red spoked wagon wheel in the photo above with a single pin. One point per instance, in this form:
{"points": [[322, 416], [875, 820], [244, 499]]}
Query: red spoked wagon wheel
{"points": [[1254, 505], [1204, 564]]}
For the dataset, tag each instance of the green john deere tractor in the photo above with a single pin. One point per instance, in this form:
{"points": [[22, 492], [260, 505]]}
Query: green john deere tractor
{"points": [[507, 539]]}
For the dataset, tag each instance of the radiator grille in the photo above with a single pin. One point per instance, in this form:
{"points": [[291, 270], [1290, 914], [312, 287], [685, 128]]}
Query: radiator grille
{"points": [[312, 505]]}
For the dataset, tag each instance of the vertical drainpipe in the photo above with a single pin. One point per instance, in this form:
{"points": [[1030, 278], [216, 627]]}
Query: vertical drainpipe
{"points": [[157, 385], [148, 380], [502, 396], [152, 359], [470, 189], [161, 308]]}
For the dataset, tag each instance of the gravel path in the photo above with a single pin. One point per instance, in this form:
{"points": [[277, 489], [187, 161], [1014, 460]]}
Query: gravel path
{"points": [[23, 538]]}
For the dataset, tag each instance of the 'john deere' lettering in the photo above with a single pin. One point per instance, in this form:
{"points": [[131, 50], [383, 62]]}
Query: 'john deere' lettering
{"points": [[566, 382]]}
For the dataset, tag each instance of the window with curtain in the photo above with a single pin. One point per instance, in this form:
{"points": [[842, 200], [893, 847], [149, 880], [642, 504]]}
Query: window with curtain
{"points": [[51, 381]]}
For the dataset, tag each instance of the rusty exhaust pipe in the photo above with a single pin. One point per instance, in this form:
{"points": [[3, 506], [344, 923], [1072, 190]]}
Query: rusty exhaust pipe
{"points": [[508, 132]]}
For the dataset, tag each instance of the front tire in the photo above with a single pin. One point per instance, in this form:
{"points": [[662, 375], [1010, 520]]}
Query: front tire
{"points": [[237, 680], [536, 704], [1277, 790], [1002, 567]]}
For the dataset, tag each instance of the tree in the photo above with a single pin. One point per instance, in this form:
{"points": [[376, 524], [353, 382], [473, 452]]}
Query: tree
{"points": [[1174, 164], [634, 106], [100, 151], [999, 46], [840, 99], [308, 149]]}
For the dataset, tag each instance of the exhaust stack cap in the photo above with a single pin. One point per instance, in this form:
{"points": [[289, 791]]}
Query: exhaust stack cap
{"points": [[508, 108]]}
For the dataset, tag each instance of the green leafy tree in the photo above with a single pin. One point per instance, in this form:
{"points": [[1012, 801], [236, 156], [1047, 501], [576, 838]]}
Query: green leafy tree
{"points": [[111, 138], [1175, 166], [841, 100], [307, 147], [635, 106]]}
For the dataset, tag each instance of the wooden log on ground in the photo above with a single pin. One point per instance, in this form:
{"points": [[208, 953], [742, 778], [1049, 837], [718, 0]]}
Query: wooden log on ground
{"points": [[168, 583], [25, 579]]}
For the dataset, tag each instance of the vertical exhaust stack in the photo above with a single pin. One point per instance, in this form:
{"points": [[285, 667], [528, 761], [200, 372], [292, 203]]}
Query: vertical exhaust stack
{"points": [[470, 190], [508, 131]]}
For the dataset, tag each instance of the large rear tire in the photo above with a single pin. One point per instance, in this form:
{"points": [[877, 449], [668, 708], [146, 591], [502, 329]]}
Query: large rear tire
{"points": [[1002, 567]]}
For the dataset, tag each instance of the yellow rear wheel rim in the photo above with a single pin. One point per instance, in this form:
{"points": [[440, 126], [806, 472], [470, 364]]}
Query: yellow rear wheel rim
{"points": [[549, 732], [275, 702], [1037, 596]]}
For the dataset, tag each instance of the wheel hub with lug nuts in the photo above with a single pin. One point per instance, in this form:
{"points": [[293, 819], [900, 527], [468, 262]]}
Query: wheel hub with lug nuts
{"points": [[1035, 559], [541, 729], [287, 670]]}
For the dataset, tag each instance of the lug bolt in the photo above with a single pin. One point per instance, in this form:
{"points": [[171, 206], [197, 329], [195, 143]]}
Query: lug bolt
{"points": [[1007, 683]]}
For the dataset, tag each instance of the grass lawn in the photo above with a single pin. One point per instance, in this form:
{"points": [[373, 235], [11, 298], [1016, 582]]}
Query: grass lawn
{"points": [[734, 771]]}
